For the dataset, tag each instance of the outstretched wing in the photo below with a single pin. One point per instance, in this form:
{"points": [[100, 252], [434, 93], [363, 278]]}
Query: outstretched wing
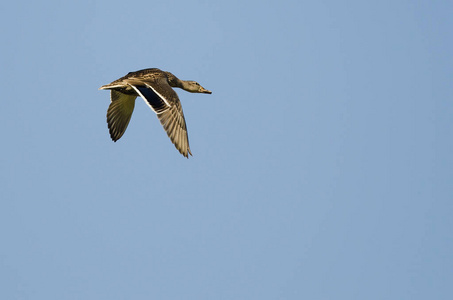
{"points": [[175, 125], [119, 113], [164, 101]]}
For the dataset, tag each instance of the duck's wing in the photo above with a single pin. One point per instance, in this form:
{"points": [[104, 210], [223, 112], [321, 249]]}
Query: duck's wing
{"points": [[175, 125], [164, 101], [119, 113]]}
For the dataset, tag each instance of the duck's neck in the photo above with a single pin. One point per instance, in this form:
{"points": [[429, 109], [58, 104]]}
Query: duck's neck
{"points": [[182, 84], [185, 85], [174, 81]]}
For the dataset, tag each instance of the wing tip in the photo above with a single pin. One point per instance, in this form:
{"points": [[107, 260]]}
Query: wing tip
{"points": [[185, 153]]}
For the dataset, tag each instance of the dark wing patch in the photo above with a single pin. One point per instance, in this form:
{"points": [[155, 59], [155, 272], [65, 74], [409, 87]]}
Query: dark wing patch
{"points": [[156, 103]]}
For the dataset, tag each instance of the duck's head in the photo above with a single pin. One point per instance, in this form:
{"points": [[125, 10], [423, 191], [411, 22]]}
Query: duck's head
{"points": [[195, 87]]}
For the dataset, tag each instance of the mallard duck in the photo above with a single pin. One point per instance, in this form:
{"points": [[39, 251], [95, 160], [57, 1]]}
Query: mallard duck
{"points": [[156, 88]]}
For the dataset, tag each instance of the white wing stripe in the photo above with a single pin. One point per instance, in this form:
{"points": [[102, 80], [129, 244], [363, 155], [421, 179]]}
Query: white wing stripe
{"points": [[144, 98], [161, 97]]}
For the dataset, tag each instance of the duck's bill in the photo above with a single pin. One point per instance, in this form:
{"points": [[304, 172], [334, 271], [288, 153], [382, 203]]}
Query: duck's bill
{"points": [[205, 91]]}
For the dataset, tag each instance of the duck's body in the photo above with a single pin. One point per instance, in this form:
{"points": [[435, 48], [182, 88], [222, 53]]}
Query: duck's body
{"points": [[155, 87]]}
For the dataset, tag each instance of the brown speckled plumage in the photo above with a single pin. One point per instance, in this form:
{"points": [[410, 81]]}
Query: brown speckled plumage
{"points": [[156, 88]]}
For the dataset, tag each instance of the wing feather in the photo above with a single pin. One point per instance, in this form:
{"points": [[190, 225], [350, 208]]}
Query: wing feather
{"points": [[119, 113], [175, 125], [164, 101]]}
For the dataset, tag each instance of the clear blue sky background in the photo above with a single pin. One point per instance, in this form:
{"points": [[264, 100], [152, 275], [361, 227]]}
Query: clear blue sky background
{"points": [[322, 164]]}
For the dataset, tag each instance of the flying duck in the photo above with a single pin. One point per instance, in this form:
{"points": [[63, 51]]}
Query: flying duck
{"points": [[156, 88]]}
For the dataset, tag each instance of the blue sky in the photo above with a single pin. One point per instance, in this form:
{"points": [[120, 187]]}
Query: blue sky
{"points": [[321, 163]]}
